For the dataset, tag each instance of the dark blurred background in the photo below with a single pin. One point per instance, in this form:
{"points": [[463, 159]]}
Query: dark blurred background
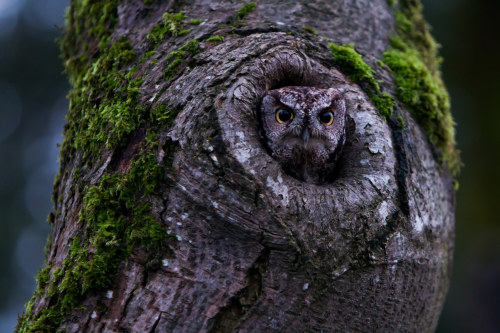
{"points": [[470, 37], [33, 104], [32, 109]]}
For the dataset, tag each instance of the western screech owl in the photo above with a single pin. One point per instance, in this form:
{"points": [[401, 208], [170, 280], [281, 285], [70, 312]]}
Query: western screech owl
{"points": [[304, 128]]}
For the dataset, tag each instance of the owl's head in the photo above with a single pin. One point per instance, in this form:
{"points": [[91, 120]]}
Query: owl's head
{"points": [[304, 127]]}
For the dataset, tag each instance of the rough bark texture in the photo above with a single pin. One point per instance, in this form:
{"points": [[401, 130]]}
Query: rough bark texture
{"points": [[257, 250]]}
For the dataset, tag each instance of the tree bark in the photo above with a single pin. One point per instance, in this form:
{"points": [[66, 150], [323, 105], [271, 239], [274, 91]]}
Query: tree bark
{"points": [[248, 247]]}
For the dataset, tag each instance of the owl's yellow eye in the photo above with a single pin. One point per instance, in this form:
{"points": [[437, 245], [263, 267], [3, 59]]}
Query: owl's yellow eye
{"points": [[283, 116], [326, 118]]}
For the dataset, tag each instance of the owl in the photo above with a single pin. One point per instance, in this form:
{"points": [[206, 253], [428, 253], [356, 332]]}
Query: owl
{"points": [[304, 129]]}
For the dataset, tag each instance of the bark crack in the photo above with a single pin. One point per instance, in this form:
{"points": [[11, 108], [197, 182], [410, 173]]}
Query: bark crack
{"points": [[229, 316], [402, 167], [125, 307], [87, 322], [153, 328]]}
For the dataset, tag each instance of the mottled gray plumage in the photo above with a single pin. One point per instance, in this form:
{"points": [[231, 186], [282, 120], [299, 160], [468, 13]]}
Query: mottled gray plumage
{"points": [[306, 145]]}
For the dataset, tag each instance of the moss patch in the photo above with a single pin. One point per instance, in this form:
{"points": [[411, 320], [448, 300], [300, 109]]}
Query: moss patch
{"points": [[241, 14], [104, 105], [413, 60], [309, 29], [215, 39], [244, 10], [104, 108], [196, 22], [171, 25], [86, 21], [177, 58], [103, 101], [148, 55], [352, 63]]}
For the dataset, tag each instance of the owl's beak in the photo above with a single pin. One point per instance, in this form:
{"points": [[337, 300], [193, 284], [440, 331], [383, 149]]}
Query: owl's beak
{"points": [[305, 135]]}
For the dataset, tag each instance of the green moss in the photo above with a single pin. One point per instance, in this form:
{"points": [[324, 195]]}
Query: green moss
{"points": [[55, 186], [148, 55], [392, 3], [50, 218], [41, 279], [241, 14], [100, 77], [48, 323], [171, 25], [163, 117], [177, 58], [383, 102], [196, 22], [104, 108], [215, 39], [309, 29], [352, 63], [86, 20], [412, 57], [401, 122], [172, 68], [414, 32], [77, 173], [244, 10]]}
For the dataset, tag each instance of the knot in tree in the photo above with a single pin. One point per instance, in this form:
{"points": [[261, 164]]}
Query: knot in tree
{"points": [[249, 167]]}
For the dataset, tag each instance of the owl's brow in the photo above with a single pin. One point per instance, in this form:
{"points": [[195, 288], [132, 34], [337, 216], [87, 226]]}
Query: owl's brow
{"points": [[292, 100], [283, 105]]}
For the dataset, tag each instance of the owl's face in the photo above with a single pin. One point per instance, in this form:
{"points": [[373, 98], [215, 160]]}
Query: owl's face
{"points": [[304, 128]]}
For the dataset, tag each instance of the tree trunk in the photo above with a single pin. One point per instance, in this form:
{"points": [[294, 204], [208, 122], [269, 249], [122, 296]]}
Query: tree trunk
{"points": [[171, 216]]}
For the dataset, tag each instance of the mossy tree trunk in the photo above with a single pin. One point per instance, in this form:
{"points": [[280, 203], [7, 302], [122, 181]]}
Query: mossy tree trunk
{"points": [[170, 216]]}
